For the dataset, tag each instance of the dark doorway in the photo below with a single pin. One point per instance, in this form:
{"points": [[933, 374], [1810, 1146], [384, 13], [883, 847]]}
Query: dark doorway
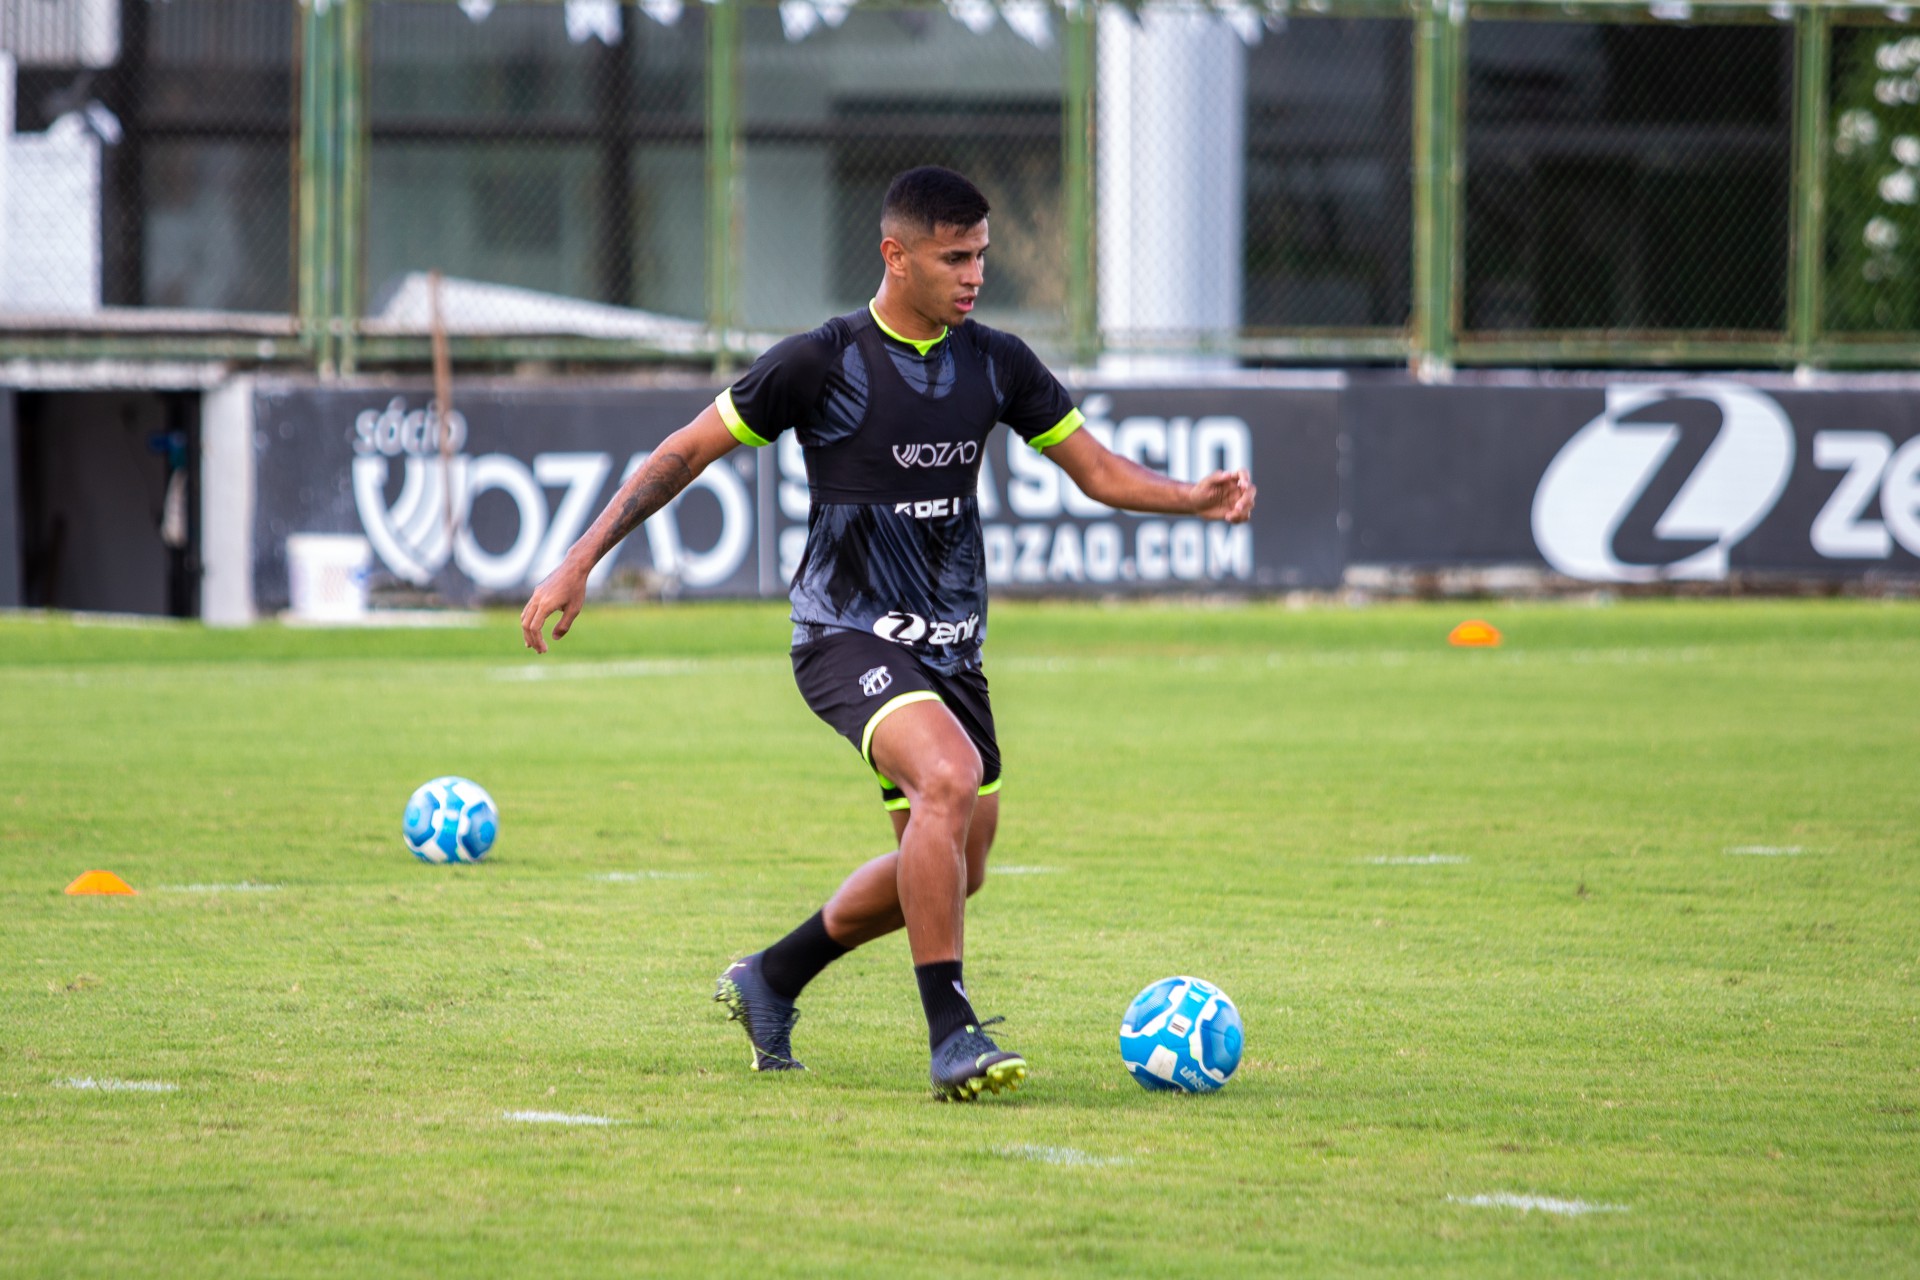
{"points": [[109, 502]]}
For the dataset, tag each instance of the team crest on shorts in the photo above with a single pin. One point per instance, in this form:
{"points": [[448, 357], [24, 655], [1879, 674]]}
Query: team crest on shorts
{"points": [[875, 681]]}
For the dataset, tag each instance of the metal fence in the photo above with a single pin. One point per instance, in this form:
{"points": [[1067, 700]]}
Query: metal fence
{"points": [[329, 182], [145, 168]]}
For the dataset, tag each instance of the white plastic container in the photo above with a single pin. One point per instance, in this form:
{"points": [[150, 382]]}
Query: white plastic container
{"points": [[327, 577]]}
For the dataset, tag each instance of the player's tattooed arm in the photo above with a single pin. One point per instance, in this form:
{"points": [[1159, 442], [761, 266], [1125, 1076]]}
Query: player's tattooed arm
{"points": [[658, 481], [671, 468]]}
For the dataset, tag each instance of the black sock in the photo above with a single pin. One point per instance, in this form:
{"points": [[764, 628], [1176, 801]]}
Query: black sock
{"points": [[794, 961], [944, 997]]}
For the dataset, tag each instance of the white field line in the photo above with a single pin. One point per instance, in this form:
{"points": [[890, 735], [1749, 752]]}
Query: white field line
{"points": [[263, 673], [244, 886], [1420, 860], [630, 877], [1060, 1155], [118, 1086], [1542, 1204], [376, 619], [632, 667], [1767, 850], [1352, 658], [1022, 871], [555, 1117], [662, 667]]}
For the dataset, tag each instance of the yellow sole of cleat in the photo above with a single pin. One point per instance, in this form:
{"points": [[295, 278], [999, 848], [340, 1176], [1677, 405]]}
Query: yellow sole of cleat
{"points": [[1006, 1076], [1001, 1077]]}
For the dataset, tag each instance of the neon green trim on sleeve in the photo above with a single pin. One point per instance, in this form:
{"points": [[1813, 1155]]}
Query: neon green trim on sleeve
{"points": [[894, 806], [735, 423], [921, 345], [991, 787], [1060, 430], [887, 708]]}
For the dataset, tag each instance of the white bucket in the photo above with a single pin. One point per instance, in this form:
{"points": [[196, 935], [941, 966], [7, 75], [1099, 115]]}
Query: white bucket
{"points": [[327, 576]]}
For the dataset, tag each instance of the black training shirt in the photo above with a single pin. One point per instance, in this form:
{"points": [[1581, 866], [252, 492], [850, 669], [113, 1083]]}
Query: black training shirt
{"points": [[892, 430]]}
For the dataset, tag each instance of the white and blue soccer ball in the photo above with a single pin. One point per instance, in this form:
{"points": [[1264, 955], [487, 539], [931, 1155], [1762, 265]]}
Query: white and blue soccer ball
{"points": [[1181, 1034], [451, 820]]}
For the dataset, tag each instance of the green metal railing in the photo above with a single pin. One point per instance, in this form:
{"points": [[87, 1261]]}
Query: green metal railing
{"points": [[1082, 39], [331, 156], [723, 170], [331, 182], [1438, 103], [1812, 40]]}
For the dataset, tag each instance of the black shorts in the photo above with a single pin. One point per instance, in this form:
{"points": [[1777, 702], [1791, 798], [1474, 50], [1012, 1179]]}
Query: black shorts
{"points": [[853, 681]]}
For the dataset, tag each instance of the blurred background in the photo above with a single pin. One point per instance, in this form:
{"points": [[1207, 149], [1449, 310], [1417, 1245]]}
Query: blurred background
{"points": [[1343, 180], [194, 191]]}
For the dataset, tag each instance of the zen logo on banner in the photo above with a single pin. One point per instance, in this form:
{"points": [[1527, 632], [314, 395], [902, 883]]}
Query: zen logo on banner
{"points": [[1596, 480], [1873, 467]]}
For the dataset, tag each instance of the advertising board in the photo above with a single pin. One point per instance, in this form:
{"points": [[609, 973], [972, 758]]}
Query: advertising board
{"points": [[1610, 481], [518, 474], [1636, 481]]}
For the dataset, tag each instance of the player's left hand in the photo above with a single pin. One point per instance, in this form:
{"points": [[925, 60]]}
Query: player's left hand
{"points": [[564, 591], [1225, 495]]}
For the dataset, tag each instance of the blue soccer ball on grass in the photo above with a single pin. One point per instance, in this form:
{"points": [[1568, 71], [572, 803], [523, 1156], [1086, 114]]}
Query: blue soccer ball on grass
{"points": [[1181, 1034], [451, 820]]}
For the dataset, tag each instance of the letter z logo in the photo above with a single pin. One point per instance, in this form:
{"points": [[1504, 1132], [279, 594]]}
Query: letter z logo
{"points": [[901, 628], [1595, 481]]}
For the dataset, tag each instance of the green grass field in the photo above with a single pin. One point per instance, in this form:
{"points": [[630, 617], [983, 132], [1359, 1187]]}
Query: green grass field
{"points": [[1623, 913]]}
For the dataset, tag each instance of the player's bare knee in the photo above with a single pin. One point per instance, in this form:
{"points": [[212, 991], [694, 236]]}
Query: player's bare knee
{"points": [[951, 782]]}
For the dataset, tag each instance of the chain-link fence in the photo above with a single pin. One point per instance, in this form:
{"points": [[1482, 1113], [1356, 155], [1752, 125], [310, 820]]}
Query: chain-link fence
{"points": [[831, 111], [1329, 195], [1335, 179], [534, 158], [1627, 177], [1873, 190], [145, 157]]}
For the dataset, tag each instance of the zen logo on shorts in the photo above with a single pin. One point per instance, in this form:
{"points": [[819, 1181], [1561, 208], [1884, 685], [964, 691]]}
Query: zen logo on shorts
{"points": [[875, 681], [911, 628]]}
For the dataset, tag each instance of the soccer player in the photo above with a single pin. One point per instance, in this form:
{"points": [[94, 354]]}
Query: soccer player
{"points": [[893, 404]]}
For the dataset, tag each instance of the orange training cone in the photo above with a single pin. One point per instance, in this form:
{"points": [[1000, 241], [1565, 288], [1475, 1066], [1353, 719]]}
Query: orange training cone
{"points": [[100, 882], [1474, 634]]}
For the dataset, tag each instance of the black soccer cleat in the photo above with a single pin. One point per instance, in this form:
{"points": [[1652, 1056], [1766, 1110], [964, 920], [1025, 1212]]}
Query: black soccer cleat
{"points": [[968, 1063], [767, 1016]]}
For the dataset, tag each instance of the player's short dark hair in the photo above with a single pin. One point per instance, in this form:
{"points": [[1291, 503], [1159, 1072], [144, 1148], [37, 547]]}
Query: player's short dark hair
{"points": [[929, 197]]}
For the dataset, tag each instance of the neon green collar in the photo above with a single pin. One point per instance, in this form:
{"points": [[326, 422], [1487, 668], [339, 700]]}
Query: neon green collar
{"points": [[918, 344]]}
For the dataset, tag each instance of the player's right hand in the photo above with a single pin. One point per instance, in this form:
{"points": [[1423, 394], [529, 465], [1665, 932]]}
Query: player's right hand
{"points": [[1225, 495], [563, 592]]}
